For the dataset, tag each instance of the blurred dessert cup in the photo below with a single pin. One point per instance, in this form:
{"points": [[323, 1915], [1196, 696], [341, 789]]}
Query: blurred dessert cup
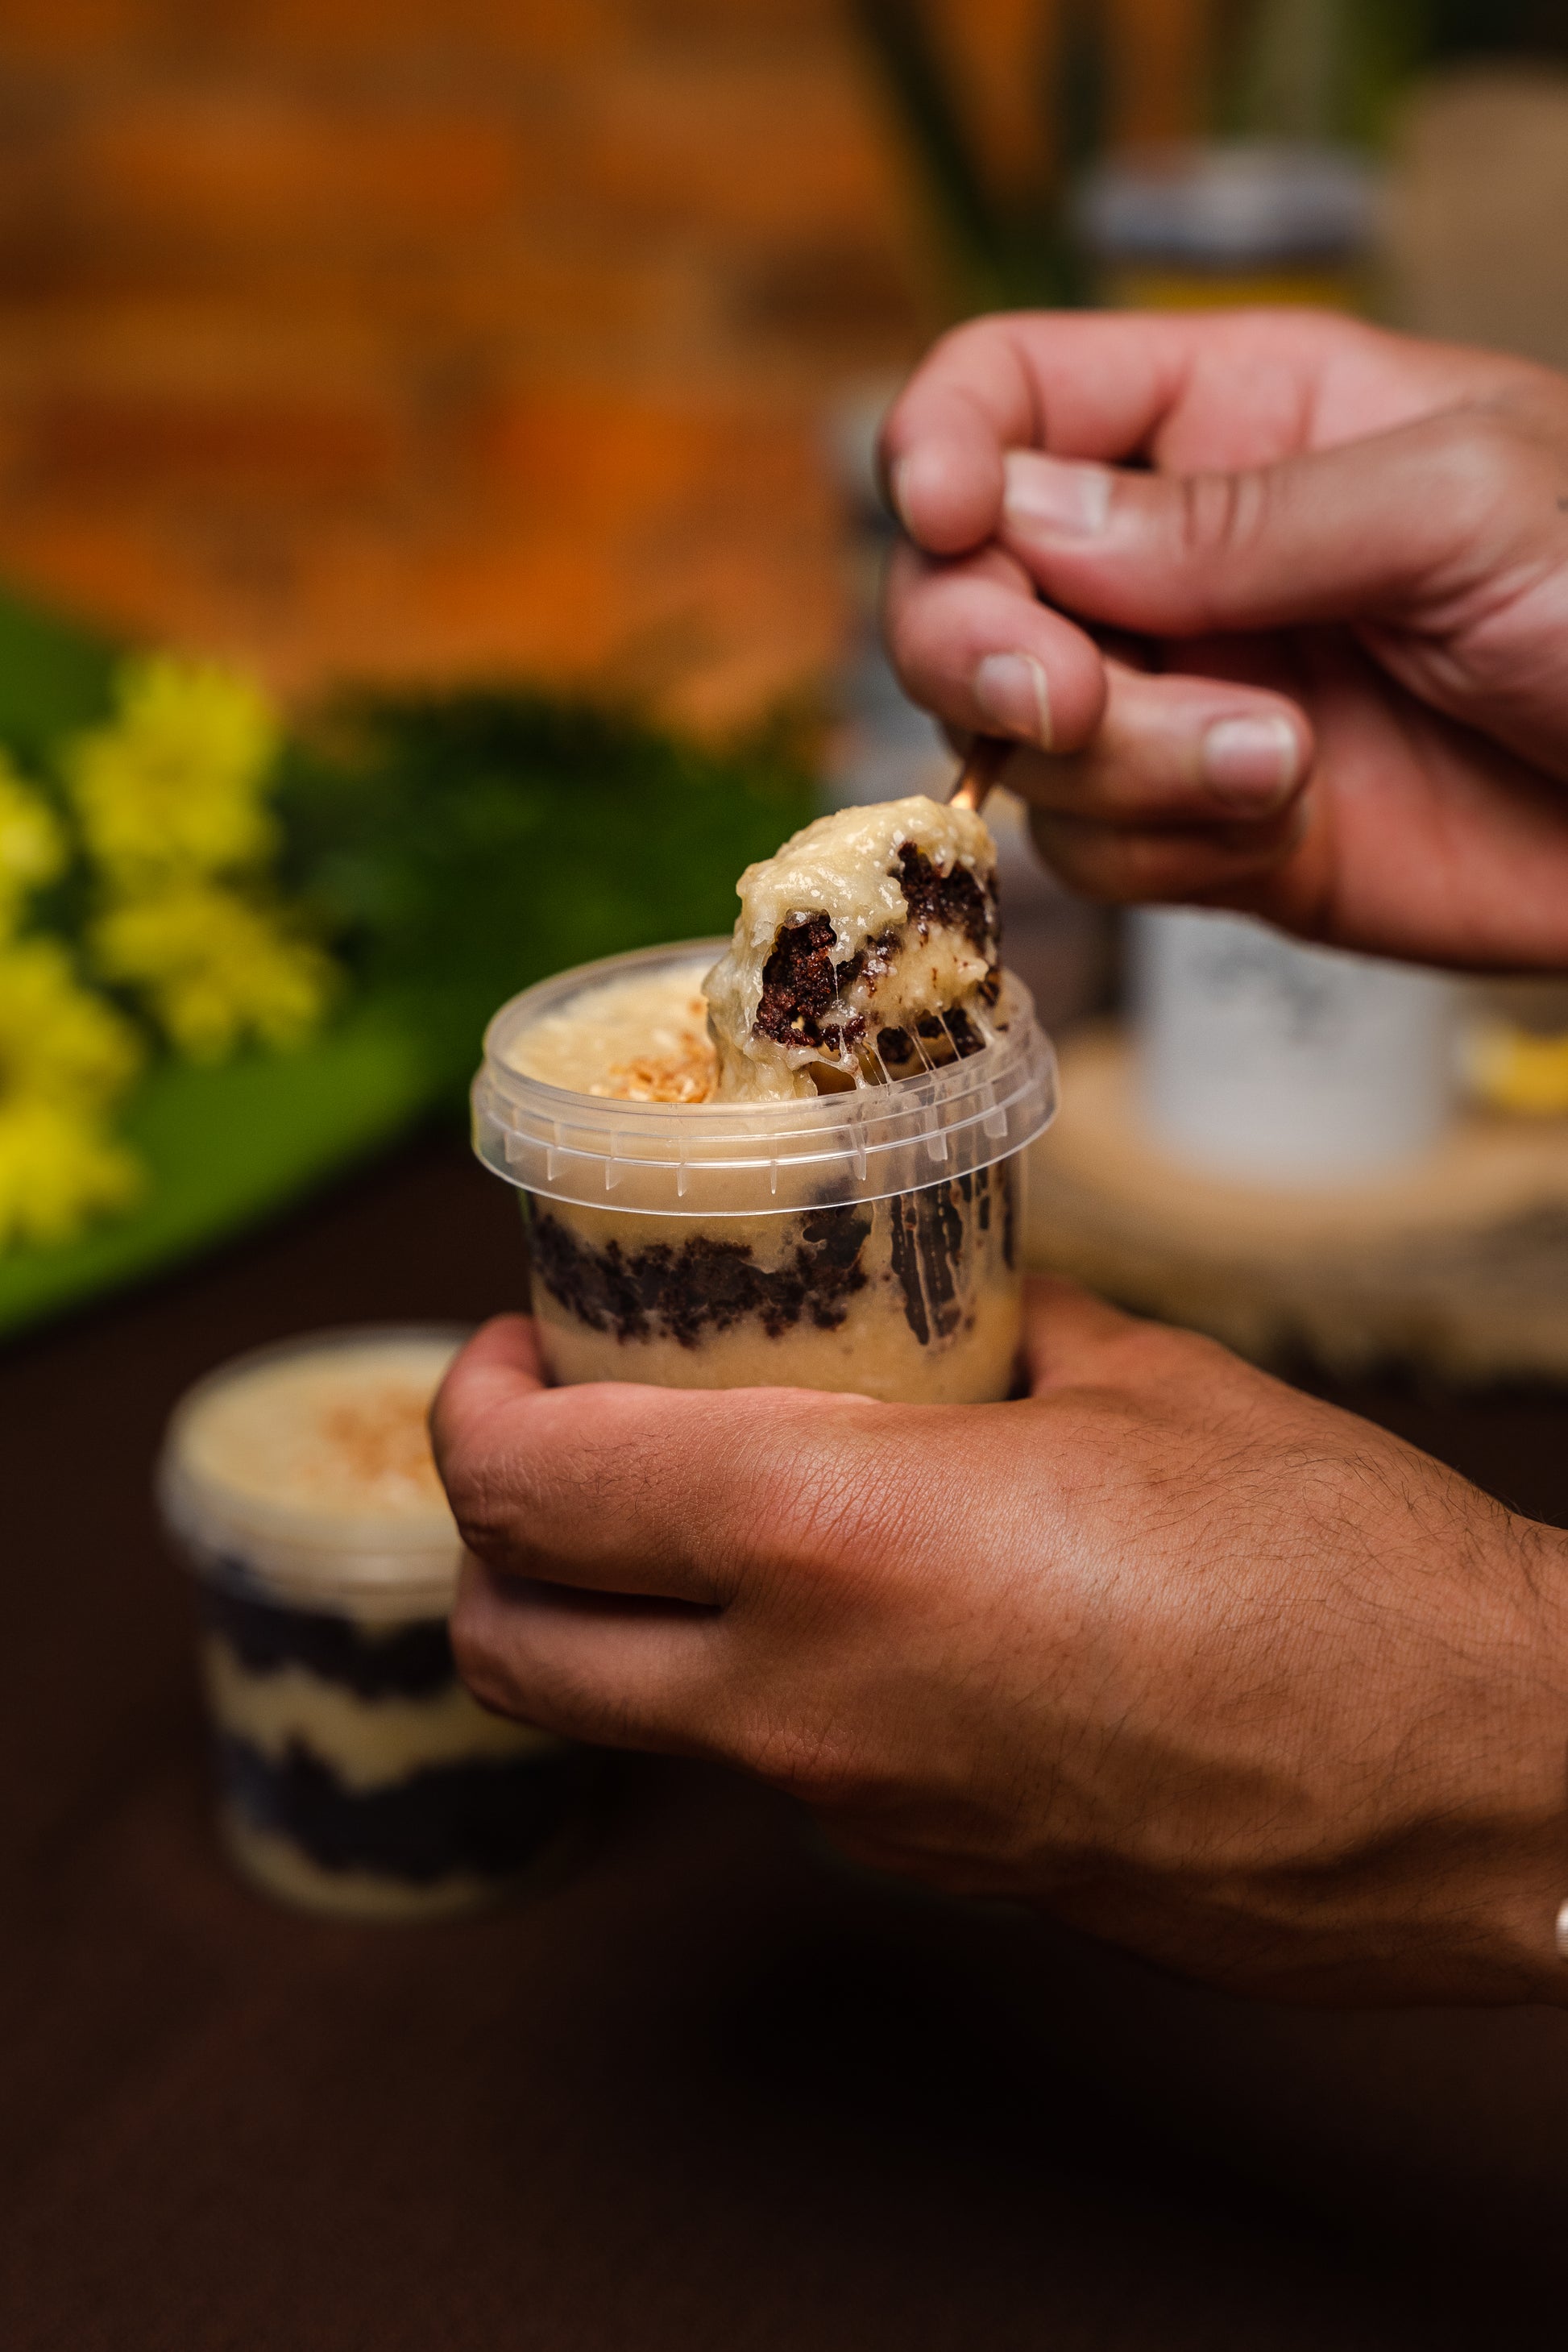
{"points": [[355, 1773]]}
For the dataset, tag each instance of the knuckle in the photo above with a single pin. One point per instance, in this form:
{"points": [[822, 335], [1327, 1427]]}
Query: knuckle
{"points": [[482, 1669], [829, 1520], [509, 1675], [1074, 850], [1221, 514], [498, 1481], [1487, 455], [962, 351], [484, 1497], [1481, 469]]}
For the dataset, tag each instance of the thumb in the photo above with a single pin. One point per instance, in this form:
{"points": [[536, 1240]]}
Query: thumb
{"points": [[500, 1363], [1425, 521]]}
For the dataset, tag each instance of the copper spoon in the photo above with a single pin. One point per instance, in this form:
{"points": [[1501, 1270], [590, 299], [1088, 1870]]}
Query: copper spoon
{"points": [[988, 755]]}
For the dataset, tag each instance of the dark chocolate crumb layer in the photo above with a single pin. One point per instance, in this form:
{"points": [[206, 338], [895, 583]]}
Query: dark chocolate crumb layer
{"points": [[486, 1818], [959, 899], [931, 1231], [801, 982], [413, 1660], [926, 1253], [682, 1292]]}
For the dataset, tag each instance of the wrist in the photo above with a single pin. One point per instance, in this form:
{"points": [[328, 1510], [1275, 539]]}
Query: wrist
{"points": [[1535, 1909]]}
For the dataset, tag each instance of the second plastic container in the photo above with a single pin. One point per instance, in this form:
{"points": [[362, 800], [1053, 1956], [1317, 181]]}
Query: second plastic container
{"points": [[355, 1774]]}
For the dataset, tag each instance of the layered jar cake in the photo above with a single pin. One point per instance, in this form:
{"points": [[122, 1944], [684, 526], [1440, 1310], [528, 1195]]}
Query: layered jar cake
{"points": [[355, 1773], [792, 1158]]}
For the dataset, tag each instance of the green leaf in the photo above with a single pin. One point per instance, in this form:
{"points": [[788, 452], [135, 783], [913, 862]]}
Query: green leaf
{"points": [[223, 1147], [477, 842], [54, 678]]}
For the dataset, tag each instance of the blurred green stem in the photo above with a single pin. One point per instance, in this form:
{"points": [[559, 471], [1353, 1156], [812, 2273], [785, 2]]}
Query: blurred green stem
{"points": [[1002, 255]]}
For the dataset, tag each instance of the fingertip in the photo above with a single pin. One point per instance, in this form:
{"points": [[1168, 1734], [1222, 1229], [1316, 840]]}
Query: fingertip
{"points": [[506, 1347], [501, 1358], [1253, 761], [946, 491], [1044, 689], [505, 1338], [970, 642]]}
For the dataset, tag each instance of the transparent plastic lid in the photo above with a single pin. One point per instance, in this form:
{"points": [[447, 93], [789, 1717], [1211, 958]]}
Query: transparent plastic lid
{"points": [[747, 1159], [303, 1470], [1229, 205]]}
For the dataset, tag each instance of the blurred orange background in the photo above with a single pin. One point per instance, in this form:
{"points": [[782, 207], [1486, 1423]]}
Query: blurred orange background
{"points": [[460, 337]]}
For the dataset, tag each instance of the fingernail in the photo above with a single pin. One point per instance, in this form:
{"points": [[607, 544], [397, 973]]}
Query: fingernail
{"points": [[1250, 764], [1044, 494], [1014, 694]]}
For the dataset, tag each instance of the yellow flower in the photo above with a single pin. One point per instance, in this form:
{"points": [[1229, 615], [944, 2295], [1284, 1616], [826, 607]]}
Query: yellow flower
{"points": [[58, 1167], [65, 1056], [177, 782], [59, 1042], [32, 846], [214, 968]]}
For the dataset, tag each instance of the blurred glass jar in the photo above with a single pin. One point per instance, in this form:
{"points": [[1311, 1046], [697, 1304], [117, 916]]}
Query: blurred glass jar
{"points": [[1213, 225], [1264, 1061], [1261, 1059]]}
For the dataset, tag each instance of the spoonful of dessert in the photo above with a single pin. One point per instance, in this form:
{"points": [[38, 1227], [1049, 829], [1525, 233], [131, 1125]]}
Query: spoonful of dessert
{"points": [[867, 948]]}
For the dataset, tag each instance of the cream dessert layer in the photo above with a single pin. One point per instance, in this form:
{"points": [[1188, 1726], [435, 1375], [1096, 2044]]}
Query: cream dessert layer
{"points": [[635, 1040], [866, 946]]}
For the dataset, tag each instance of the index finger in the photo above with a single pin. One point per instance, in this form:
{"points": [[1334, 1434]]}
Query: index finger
{"points": [[598, 1517], [623, 1488], [1217, 390], [943, 439]]}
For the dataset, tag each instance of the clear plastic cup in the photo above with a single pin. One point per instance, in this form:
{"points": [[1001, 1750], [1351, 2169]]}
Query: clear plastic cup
{"points": [[355, 1774], [865, 1240]]}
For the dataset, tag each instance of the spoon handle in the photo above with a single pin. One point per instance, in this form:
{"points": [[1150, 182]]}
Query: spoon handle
{"points": [[988, 755]]}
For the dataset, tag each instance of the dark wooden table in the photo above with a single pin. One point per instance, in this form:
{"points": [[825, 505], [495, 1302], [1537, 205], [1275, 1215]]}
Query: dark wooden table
{"points": [[711, 2091]]}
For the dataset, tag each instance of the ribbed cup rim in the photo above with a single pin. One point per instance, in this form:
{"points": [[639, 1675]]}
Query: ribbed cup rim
{"points": [[753, 1159]]}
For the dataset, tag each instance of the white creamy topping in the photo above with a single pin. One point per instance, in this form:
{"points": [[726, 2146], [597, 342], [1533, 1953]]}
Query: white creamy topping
{"points": [[340, 1431], [641, 1039]]}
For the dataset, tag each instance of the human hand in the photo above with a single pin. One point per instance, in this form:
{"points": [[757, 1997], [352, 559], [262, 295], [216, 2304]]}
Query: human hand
{"points": [[1351, 546], [1195, 1663]]}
